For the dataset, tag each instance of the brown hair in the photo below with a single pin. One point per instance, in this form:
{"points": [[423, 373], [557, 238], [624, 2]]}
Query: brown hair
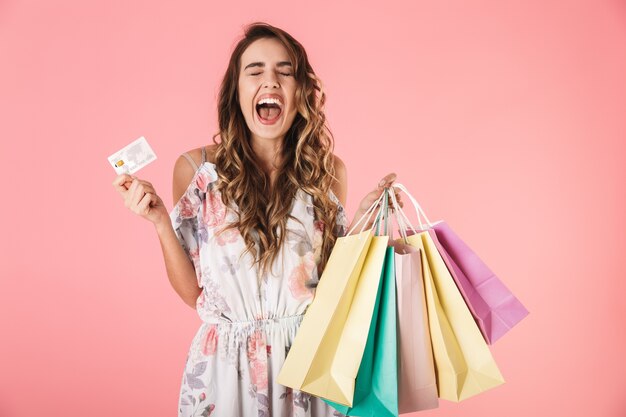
{"points": [[306, 154]]}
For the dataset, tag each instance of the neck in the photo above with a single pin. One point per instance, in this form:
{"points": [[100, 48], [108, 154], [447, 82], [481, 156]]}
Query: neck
{"points": [[268, 152]]}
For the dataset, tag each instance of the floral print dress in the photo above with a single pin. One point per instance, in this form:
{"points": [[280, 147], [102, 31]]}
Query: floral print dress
{"points": [[248, 323]]}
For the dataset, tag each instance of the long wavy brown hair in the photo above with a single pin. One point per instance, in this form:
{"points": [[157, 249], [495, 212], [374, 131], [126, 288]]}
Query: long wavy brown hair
{"points": [[307, 158]]}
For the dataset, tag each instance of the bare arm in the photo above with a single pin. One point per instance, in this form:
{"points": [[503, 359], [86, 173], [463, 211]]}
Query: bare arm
{"points": [[340, 189], [179, 267]]}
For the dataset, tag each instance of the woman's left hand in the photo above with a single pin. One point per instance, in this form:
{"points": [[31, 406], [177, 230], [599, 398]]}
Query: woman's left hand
{"points": [[371, 197]]}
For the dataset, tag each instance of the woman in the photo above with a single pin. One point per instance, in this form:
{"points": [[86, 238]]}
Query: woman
{"points": [[224, 252]]}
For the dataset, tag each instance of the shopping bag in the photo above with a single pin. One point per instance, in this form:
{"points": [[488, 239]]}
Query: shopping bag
{"points": [[417, 383], [463, 362], [376, 390], [326, 353], [465, 366], [493, 306]]}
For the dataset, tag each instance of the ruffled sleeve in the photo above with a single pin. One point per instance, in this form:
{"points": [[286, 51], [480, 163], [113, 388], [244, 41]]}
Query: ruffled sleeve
{"points": [[186, 216], [341, 223]]}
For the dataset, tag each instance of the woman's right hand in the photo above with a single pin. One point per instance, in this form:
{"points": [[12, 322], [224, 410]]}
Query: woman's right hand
{"points": [[141, 198]]}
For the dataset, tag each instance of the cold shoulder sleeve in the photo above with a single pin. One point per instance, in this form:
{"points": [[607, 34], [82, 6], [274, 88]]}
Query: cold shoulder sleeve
{"points": [[341, 224], [186, 216]]}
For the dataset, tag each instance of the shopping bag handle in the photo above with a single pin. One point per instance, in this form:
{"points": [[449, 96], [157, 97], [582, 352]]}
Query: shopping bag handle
{"points": [[370, 210], [384, 213], [401, 218], [380, 213], [418, 208]]}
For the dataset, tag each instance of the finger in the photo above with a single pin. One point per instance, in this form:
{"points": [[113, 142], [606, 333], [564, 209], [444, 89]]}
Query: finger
{"points": [[146, 187], [387, 180], [122, 182], [128, 196], [142, 206], [374, 195], [122, 178], [140, 191], [135, 194], [143, 181]]}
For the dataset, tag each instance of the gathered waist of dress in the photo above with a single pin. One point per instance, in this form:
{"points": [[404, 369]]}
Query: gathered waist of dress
{"points": [[256, 323]]}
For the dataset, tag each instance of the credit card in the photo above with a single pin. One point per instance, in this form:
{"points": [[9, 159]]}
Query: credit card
{"points": [[132, 157]]}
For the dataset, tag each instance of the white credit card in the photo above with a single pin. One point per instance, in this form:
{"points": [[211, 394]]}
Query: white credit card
{"points": [[131, 158]]}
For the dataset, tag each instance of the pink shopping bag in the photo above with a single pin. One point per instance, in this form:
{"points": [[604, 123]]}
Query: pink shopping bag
{"points": [[417, 383], [495, 309], [417, 380]]}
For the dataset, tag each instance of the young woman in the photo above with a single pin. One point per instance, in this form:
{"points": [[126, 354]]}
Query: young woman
{"points": [[246, 242]]}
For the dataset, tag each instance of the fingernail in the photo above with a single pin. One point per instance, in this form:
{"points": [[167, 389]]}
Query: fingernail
{"points": [[381, 183]]}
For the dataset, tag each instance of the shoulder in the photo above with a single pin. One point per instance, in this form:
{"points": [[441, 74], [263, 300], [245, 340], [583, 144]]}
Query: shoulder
{"points": [[196, 155], [184, 170], [340, 185]]}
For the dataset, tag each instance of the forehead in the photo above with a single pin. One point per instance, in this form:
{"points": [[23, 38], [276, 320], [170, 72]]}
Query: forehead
{"points": [[269, 51]]}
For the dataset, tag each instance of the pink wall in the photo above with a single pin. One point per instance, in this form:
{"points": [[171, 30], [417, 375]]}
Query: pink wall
{"points": [[507, 120]]}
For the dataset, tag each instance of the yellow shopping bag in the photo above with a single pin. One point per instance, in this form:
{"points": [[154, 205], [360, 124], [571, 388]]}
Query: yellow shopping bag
{"points": [[463, 361], [325, 356]]}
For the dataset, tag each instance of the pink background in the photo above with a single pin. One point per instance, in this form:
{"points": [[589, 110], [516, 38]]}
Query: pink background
{"points": [[507, 119]]}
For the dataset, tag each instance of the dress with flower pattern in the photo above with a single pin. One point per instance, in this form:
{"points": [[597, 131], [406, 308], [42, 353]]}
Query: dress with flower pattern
{"points": [[248, 324]]}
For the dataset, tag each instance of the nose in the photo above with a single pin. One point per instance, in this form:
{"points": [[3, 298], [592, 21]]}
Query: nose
{"points": [[271, 80]]}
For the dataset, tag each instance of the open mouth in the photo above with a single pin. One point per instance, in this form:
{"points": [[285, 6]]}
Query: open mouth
{"points": [[269, 110]]}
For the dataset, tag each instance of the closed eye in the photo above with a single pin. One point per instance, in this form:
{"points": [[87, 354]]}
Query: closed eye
{"points": [[282, 73]]}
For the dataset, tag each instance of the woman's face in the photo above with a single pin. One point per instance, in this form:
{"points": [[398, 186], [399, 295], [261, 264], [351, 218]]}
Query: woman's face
{"points": [[266, 72]]}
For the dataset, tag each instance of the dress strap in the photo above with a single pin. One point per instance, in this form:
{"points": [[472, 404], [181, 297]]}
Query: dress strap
{"points": [[191, 161]]}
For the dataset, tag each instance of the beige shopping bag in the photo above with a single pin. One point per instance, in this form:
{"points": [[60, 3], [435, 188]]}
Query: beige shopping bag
{"points": [[327, 351]]}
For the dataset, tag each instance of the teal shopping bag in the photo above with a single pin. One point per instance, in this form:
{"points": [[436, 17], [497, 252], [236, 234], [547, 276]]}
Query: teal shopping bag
{"points": [[376, 385]]}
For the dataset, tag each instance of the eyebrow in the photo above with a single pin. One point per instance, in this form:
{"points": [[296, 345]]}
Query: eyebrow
{"points": [[262, 64]]}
